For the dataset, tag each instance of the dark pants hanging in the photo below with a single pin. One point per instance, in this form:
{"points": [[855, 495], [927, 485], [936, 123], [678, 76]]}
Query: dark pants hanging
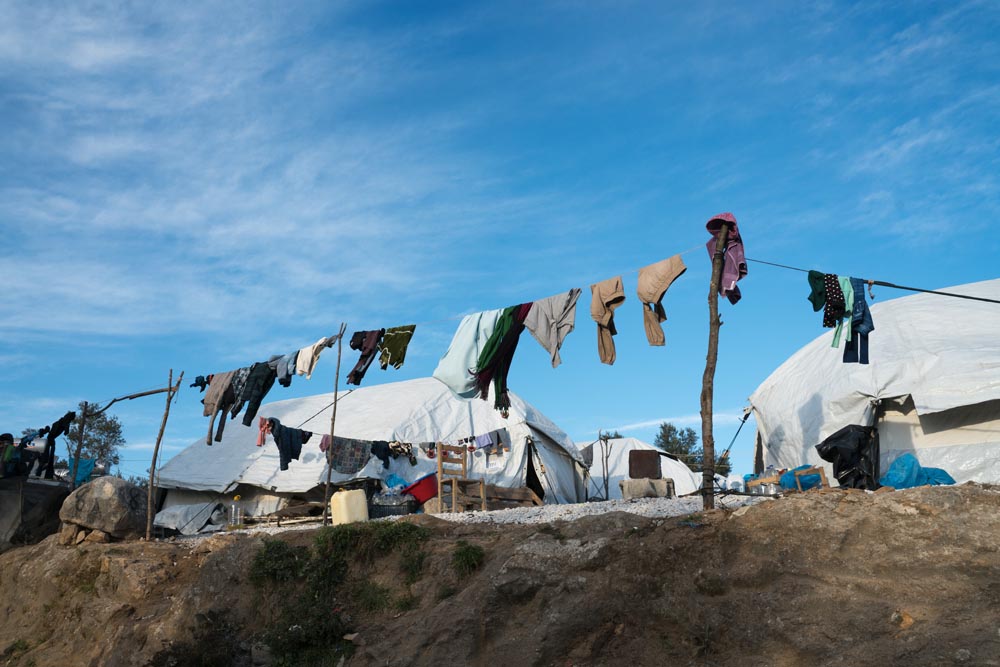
{"points": [[47, 460], [856, 349]]}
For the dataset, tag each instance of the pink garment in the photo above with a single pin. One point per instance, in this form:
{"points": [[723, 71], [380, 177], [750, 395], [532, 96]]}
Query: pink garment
{"points": [[324, 443], [265, 429], [734, 264]]}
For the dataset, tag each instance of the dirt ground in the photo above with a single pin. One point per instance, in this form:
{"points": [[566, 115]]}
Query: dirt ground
{"points": [[821, 578]]}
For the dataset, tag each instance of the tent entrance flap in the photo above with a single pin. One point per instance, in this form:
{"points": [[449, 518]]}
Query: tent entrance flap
{"points": [[532, 480]]}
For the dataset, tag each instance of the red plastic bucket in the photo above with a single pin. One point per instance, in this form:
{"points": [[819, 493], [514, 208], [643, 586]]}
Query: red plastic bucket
{"points": [[424, 488]]}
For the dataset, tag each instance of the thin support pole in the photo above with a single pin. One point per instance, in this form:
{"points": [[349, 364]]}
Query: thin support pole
{"points": [[708, 379], [333, 425], [79, 445], [172, 390]]}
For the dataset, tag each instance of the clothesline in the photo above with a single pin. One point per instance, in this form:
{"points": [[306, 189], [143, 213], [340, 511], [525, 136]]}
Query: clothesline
{"points": [[882, 283], [630, 271]]}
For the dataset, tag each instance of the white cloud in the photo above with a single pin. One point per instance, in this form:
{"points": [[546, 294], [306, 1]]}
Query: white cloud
{"points": [[691, 420]]}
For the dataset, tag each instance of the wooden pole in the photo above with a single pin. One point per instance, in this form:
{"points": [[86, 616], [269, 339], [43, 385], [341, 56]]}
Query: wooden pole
{"points": [[172, 390], [708, 379], [333, 424], [79, 446]]}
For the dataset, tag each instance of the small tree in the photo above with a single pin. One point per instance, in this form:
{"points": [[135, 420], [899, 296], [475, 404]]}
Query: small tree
{"points": [[683, 443], [102, 438], [609, 435]]}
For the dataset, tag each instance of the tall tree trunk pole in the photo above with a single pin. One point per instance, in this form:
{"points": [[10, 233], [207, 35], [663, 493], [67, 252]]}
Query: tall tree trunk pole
{"points": [[708, 379], [150, 492], [333, 424], [79, 446]]}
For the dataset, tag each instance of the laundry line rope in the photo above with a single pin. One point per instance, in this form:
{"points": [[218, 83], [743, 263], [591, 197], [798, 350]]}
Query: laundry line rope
{"points": [[882, 283]]}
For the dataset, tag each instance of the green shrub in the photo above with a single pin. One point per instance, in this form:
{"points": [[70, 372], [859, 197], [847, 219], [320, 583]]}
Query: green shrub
{"points": [[371, 597], [406, 602], [411, 564], [277, 561], [467, 558]]}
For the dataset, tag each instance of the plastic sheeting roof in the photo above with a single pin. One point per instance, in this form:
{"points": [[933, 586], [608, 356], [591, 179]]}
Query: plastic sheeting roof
{"points": [[943, 352], [685, 481], [413, 411]]}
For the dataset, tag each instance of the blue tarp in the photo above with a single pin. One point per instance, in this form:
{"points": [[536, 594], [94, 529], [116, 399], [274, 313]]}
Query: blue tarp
{"points": [[83, 471], [787, 480], [906, 472]]}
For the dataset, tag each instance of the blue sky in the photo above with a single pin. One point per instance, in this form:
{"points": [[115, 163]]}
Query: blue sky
{"points": [[198, 186]]}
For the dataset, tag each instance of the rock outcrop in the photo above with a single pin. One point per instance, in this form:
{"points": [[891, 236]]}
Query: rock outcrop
{"points": [[108, 504]]}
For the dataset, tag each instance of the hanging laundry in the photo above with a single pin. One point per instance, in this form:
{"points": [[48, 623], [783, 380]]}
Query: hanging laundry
{"points": [[606, 296], [454, 368], [402, 449], [856, 350], [817, 285], [845, 287], [380, 450], [264, 430], [393, 347], [654, 280], [428, 448], [485, 441], [202, 382], [47, 461], [367, 342], [497, 354], [551, 319], [289, 441], [308, 356], [324, 442], [347, 455], [734, 263], [218, 398], [259, 381], [835, 303], [284, 367]]}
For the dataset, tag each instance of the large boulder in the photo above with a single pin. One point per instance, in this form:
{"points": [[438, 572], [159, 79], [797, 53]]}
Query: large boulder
{"points": [[108, 504]]}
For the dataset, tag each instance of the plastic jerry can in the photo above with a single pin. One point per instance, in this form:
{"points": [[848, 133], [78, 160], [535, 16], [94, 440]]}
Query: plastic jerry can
{"points": [[348, 507]]}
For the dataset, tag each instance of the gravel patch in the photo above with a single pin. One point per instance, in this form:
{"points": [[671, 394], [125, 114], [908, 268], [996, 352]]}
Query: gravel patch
{"points": [[647, 507]]}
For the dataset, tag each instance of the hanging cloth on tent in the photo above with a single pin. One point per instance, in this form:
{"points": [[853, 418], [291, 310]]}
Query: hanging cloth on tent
{"points": [[218, 398], [654, 280], [289, 441], [856, 349], [284, 367], [845, 287], [551, 319], [497, 354], [201, 382], [817, 286], [606, 296], [454, 367], [835, 302], [367, 342], [393, 347], [734, 263], [259, 381], [47, 460], [305, 363], [347, 455]]}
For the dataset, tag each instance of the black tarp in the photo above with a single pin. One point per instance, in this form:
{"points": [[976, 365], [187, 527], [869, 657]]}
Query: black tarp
{"points": [[854, 453]]}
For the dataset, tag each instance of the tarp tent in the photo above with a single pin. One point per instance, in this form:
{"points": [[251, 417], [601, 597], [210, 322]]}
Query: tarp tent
{"points": [[414, 411], [616, 469], [933, 385]]}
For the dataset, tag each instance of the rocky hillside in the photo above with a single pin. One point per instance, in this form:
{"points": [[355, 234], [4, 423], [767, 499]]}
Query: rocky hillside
{"points": [[821, 578]]}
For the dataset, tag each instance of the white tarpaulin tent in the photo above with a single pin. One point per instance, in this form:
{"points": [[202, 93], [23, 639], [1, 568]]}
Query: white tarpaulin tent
{"points": [[415, 411], [933, 382], [616, 469]]}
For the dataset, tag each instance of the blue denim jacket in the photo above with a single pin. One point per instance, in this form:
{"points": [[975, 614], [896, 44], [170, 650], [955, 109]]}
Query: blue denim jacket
{"points": [[861, 318]]}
